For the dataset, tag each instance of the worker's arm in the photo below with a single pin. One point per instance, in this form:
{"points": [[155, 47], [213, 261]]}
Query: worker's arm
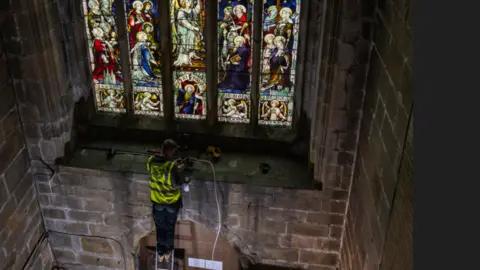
{"points": [[178, 177]]}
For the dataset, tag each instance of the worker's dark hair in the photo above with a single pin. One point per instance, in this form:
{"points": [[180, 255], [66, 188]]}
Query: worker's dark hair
{"points": [[169, 145]]}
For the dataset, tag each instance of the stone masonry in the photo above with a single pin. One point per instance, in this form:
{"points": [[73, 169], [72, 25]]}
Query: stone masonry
{"points": [[96, 218], [101, 216], [21, 227], [380, 213]]}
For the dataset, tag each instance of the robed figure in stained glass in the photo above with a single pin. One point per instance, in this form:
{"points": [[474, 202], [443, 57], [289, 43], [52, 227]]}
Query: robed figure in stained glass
{"points": [[188, 32], [136, 18], [236, 65], [142, 60], [189, 99], [278, 62], [104, 59]]}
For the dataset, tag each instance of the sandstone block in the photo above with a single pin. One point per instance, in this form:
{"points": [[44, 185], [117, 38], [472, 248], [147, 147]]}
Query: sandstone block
{"points": [[96, 245], [64, 256], [104, 230], [296, 241], [7, 211], [323, 218], [85, 216], [66, 202], [100, 261], [53, 213], [286, 254], [284, 215], [336, 232], [16, 170], [307, 229], [318, 257], [59, 240], [98, 205]]}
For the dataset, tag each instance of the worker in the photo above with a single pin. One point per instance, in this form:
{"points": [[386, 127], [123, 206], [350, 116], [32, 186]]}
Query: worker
{"points": [[166, 180]]}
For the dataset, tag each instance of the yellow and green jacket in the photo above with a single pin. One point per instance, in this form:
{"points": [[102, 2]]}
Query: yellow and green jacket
{"points": [[165, 180]]}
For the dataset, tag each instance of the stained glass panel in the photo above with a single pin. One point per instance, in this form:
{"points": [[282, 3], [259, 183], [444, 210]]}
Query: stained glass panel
{"points": [[190, 94], [234, 29], [104, 55], [279, 56], [144, 47], [187, 20]]}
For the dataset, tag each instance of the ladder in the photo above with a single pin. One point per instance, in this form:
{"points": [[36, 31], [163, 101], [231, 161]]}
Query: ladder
{"points": [[164, 265]]}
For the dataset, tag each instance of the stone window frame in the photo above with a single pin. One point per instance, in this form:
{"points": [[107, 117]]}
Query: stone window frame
{"points": [[210, 125]]}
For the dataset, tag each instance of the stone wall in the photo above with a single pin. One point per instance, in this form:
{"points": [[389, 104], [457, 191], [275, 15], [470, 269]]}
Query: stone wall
{"points": [[379, 218], [105, 212], [21, 227]]}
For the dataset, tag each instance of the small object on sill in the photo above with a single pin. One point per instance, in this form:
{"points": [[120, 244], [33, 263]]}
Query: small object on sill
{"points": [[265, 167], [214, 153], [111, 153]]}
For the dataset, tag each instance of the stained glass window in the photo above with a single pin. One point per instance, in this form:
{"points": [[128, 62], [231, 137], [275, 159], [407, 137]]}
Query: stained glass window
{"points": [[104, 55], [278, 63], [234, 60], [187, 20], [144, 49]]}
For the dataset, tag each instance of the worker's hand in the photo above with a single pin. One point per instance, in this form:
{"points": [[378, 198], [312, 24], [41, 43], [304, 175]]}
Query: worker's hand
{"points": [[180, 166]]}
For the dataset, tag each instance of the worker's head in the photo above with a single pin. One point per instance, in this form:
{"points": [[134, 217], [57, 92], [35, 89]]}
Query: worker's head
{"points": [[169, 148]]}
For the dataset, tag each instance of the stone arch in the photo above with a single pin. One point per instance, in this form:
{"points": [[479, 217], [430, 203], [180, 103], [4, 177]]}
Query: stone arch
{"points": [[145, 227]]}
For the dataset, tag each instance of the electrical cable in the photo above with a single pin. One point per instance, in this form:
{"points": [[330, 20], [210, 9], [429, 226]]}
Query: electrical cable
{"points": [[216, 199]]}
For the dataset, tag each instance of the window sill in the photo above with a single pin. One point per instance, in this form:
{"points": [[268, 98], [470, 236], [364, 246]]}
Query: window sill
{"points": [[148, 123], [239, 168]]}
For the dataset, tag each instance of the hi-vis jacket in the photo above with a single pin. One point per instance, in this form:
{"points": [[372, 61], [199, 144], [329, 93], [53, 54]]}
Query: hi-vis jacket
{"points": [[162, 189]]}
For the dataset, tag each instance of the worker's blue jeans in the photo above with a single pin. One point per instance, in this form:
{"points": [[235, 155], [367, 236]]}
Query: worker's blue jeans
{"points": [[165, 217]]}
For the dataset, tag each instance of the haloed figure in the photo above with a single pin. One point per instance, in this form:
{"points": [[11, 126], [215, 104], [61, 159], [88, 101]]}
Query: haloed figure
{"points": [[166, 179]]}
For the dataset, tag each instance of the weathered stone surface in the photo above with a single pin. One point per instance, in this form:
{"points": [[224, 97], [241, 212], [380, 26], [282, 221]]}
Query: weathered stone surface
{"points": [[60, 240], [98, 205], [287, 254], [307, 229], [53, 213], [100, 261], [67, 226], [85, 216], [66, 202], [64, 256], [324, 218], [96, 245], [3, 192], [10, 149], [296, 241], [318, 257]]}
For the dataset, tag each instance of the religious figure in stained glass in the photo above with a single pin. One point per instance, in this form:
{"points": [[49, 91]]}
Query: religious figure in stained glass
{"points": [[143, 37], [234, 59], [236, 77], [101, 24], [187, 32], [143, 61], [234, 108], [280, 34], [110, 99], [104, 55], [147, 103], [275, 110], [190, 88]]}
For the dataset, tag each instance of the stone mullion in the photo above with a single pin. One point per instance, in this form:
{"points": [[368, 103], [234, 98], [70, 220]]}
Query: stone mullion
{"points": [[166, 59], [121, 23], [211, 66], [300, 69], [256, 55]]}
